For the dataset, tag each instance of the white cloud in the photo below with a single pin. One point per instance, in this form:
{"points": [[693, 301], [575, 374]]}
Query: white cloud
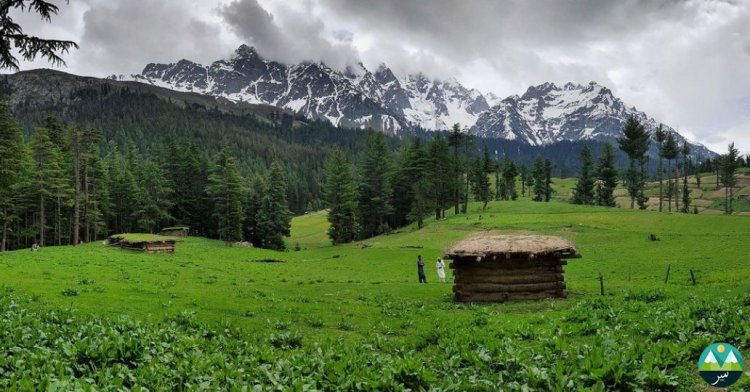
{"points": [[683, 62]]}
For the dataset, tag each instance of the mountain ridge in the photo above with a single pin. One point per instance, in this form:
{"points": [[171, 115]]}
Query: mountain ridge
{"points": [[360, 98]]}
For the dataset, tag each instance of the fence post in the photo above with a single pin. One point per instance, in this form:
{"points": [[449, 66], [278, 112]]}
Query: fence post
{"points": [[692, 276], [666, 278], [601, 283]]}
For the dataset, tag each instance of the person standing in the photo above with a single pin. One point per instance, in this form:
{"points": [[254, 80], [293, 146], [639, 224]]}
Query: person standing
{"points": [[420, 270], [440, 265]]}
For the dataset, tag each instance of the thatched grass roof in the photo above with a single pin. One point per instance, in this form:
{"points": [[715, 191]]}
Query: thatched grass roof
{"points": [[487, 244]]}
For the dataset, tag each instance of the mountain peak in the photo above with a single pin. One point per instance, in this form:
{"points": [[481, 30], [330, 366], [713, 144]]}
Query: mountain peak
{"points": [[245, 51]]}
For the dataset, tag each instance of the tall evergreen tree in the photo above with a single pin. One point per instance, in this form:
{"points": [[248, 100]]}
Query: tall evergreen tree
{"points": [[685, 151], [634, 142], [508, 181], [481, 183], [401, 179], [274, 217], [548, 191], [454, 141], [669, 151], [153, 201], [12, 152], [48, 177], [524, 173], [660, 137], [341, 198], [251, 208], [469, 153], [374, 191], [225, 189], [606, 177], [538, 174], [728, 176], [425, 197], [584, 190], [438, 167]]}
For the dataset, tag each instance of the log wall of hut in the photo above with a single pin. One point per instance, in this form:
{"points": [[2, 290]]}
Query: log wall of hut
{"points": [[149, 246], [508, 278]]}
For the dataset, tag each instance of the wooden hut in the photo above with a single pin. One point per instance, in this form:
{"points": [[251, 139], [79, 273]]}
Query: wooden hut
{"points": [[143, 243], [177, 231], [497, 268]]}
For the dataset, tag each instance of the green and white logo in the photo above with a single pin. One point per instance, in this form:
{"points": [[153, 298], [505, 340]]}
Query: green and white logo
{"points": [[720, 365]]}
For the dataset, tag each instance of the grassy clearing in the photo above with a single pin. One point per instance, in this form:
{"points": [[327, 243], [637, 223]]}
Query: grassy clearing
{"points": [[364, 304]]}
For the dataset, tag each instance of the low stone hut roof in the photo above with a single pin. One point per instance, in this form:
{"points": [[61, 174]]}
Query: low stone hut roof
{"points": [[530, 246]]}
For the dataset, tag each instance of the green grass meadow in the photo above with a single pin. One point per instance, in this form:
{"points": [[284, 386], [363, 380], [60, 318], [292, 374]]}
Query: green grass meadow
{"points": [[361, 302]]}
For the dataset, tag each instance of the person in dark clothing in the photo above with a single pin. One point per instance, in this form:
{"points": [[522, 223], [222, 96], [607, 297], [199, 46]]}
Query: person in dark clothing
{"points": [[420, 270]]}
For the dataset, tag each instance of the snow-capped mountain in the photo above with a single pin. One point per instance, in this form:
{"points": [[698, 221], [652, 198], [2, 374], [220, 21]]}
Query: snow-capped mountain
{"points": [[355, 97], [358, 97], [547, 113]]}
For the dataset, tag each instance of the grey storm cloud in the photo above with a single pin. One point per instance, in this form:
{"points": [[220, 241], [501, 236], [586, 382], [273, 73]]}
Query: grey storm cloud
{"points": [[124, 36], [290, 35], [685, 62]]}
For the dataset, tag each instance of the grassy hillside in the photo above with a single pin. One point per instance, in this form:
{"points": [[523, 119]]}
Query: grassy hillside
{"points": [[351, 297]]}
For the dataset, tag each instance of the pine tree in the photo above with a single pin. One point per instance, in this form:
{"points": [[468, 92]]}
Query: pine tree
{"points": [[660, 137], [634, 142], [481, 183], [524, 172], [251, 208], [685, 150], [606, 177], [48, 178], [274, 217], [438, 166], [584, 190], [454, 141], [225, 190], [538, 175], [80, 142], [12, 152], [669, 151], [419, 168], [152, 199], [469, 152], [373, 193], [548, 191], [509, 174], [341, 198], [728, 169], [401, 179]]}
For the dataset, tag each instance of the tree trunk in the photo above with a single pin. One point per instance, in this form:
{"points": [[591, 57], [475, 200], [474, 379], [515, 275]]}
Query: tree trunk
{"points": [[76, 194], [41, 221], [58, 226], [86, 212], [5, 230], [661, 183], [466, 195], [669, 184], [457, 193], [677, 189], [726, 200]]}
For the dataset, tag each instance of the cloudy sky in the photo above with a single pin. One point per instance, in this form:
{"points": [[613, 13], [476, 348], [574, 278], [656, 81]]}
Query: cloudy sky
{"points": [[686, 63]]}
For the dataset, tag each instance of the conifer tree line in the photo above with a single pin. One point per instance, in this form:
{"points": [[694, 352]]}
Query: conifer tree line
{"points": [[67, 185], [597, 182], [384, 189]]}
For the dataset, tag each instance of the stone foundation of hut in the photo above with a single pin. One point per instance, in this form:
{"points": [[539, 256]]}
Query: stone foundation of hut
{"points": [[499, 268]]}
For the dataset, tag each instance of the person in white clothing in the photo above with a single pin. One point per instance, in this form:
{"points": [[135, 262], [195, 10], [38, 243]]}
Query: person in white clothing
{"points": [[440, 265]]}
